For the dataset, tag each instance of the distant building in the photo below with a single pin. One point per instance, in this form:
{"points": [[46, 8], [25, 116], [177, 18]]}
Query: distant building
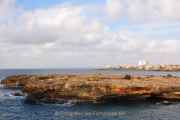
{"points": [[143, 63], [172, 66], [108, 66], [148, 67], [140, 68], [157, 66], [162, 66], [131, 66], [118, 66], [135, 66], [126, 66]]}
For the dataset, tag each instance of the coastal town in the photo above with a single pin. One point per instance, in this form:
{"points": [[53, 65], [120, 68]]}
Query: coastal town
{"points": [[143, 65]]}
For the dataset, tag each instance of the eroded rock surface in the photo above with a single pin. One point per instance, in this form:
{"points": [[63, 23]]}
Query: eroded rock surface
{"points": [[96, 86], [22, 80]]}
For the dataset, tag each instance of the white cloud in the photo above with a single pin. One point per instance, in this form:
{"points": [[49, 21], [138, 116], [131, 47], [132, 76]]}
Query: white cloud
{"points": [[67, 25], [5, 9], [114, 9], [165, 47], [168, 9], [63, 37], [52, 17], [138, 10], [8, 11]]}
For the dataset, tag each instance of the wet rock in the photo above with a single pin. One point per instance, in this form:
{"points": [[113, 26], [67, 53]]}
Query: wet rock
{"points": [[166, 103], [17, 94]]}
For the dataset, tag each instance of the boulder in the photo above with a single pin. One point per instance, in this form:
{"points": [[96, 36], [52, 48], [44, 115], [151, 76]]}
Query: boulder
{"points": [[166, 103], [168, 75], [17, 94], [126, 76]]}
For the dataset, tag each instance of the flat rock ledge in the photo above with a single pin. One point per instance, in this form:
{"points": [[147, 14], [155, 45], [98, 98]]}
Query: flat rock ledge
{"points": [[96, 86]]}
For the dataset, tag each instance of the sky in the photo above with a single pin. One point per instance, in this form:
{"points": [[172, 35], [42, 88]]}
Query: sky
{"points": [[88, 34]]}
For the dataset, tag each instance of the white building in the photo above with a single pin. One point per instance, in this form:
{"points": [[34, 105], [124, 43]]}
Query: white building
{"points": [[135, 66], [108, 66], [143, 63], [118, 66], [148, 67]]}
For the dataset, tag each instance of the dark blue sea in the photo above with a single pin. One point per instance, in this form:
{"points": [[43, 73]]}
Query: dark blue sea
{"points": [[21, 108]]}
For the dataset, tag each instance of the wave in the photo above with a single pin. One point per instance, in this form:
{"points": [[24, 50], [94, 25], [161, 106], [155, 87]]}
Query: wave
{"points": [[11, 96], [60, 102], [8, 95], [10, 87]]}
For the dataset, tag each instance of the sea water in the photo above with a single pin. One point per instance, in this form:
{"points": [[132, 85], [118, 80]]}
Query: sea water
{"points": [[19, 107]]}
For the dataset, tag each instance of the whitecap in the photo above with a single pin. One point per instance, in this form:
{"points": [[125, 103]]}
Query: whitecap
{"points": [[8, 95], [70, 103], [11, 96], [1, 86], [96, 102], [18, 87]]}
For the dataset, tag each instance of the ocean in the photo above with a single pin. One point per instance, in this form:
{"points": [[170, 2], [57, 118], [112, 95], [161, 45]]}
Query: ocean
{"points": [[19, 107]]}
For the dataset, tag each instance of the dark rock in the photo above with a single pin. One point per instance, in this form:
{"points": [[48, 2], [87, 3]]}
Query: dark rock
{"points": [[125, 76], [17, 94], [168, 75], [166, 103]]}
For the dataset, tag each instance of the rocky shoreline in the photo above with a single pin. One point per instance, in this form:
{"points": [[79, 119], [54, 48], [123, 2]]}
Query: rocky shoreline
{"points": [[96, 86]]}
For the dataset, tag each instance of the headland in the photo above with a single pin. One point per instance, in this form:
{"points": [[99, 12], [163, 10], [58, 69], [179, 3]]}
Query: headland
{"points": [[96, 86]]}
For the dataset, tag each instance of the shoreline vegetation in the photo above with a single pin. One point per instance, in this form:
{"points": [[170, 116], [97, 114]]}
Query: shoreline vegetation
{"points": [[96, 86], [174, 70]]}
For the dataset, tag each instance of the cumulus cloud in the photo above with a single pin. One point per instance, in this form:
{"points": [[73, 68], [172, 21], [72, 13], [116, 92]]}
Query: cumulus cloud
{"points": [[114, 9], [8, 10], [63, 37], [66, 25], [168, 46], [139, 10], [168, 9]]}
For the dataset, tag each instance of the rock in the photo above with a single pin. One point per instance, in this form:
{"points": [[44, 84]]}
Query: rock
{"points": [[166, 103], [22, 80], [17, 94], [125, 76], [92, 79], [147, 76], [168, 75], [95, 86], [16, 80]]}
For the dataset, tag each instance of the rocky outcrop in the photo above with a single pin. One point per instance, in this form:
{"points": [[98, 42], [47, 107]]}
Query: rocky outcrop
{"points": [[16, 80], [22, 80], [97, 86]]}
